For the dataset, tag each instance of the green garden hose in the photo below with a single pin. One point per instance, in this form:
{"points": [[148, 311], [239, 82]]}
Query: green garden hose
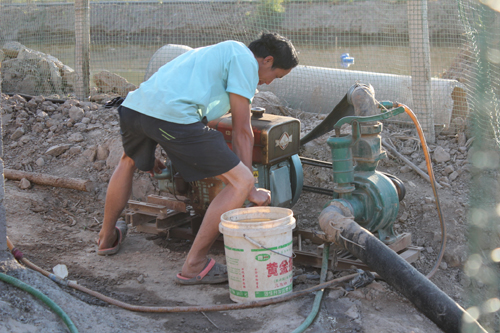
{"points": [[50, 303], [319, 294]]}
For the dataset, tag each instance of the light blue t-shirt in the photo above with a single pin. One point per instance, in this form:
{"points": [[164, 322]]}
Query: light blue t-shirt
{"points": [[197, 84]]}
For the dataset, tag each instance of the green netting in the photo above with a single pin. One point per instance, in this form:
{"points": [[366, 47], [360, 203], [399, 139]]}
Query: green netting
{"points": [[482, 80]]}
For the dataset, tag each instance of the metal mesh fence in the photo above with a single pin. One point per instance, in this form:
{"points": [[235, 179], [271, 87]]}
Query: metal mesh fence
{"points": [[409, 51], [441, 58]]}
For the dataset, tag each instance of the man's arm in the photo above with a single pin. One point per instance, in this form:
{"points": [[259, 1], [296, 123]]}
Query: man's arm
{"points": [[242, 128], [243, 142]]}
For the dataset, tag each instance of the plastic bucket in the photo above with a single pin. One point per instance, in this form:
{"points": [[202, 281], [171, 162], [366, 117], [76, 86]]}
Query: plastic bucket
{"points": [[258, 245]]}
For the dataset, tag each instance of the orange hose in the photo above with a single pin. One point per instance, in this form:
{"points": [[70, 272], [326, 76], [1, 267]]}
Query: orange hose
{"points": [[169, 309], [433, 184]]}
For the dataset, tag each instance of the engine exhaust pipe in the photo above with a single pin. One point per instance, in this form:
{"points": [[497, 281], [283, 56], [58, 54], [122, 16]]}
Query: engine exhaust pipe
{"points": [[340, 228]]}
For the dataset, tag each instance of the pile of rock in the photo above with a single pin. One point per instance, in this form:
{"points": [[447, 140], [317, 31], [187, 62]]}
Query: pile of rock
{"points": [[30, 72], [34, 73]]}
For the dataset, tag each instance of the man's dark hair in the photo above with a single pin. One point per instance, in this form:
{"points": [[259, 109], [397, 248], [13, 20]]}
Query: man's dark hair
{"points": [[272, 44]]}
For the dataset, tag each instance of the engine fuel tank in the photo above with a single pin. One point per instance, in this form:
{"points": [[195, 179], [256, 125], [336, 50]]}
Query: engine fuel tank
{"points": [[276, 137]]}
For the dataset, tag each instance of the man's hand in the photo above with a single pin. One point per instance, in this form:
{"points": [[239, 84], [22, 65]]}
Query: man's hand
{"points": [[158, 167], [260, 196]]}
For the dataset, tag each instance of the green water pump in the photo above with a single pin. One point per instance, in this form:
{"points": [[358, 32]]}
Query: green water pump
{"points": [[372, 196]]}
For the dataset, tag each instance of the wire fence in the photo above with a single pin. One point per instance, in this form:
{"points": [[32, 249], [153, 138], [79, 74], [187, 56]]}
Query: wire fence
{"points": [[441, 58], [409, 51]]}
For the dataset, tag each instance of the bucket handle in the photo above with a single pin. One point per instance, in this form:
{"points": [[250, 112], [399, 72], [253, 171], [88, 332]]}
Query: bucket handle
{"points": [[254, 242]]}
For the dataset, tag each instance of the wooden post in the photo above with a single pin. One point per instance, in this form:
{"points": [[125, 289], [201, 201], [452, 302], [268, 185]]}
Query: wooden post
{"points": [[82, 49], [418, 31]]}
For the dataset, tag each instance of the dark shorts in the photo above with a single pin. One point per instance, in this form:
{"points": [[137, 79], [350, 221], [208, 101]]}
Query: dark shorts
{"points": [[196, 150]]}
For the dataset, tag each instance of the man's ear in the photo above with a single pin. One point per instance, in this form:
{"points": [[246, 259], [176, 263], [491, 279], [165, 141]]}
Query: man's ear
{"points": [[269, 60]]}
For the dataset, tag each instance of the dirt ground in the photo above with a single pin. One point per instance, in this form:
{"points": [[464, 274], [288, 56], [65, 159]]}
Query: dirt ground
{"points": [[59, 226]]}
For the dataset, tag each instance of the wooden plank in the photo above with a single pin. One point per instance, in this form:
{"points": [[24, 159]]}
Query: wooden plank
{"points": [[173, 219], [402, 243], [148, 208], [410, 255], [176, 203], [137, 219]]}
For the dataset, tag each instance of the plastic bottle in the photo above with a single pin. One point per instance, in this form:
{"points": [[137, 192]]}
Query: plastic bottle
{"points": [[346, 60]]}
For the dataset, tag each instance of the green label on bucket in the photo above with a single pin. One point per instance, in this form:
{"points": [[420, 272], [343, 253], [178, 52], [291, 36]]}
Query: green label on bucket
{"points": [[233, 249], [276, 292], [273, 248], [262, 257], [238, 293]]}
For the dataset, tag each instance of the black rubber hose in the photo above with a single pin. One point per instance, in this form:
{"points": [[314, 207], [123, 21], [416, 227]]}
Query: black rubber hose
{"points": [[424, 294]]}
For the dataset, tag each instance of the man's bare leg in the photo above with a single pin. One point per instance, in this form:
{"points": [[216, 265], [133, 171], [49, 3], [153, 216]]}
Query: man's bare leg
{"points": [[239, 182], [117, 196]]}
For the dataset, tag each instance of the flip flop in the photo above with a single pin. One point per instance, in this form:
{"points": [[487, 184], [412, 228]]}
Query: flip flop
{"points": [[121, 232], [212, 273]]}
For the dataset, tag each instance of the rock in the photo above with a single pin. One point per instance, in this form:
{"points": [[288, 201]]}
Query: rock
{"points": [[462, 139], [32, 72], [140, 279], [352, 312], [57, 150], [19, 132], [24, 184], [75, 113], [465, 280], [75, 150], [336, 293], [80, 127], [357, 294], [268, 101], [40, 161], [448, 169], [76, 137], [68, 78], [457, 125], [440, 155], [453, 175], [115, 153], [377, 286], [444, 180], [108, 82], [102, 153], [12, 49], [403, 217], [90, 154], [405, 169], [455, 256], [429, 200], [142, 186]]}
